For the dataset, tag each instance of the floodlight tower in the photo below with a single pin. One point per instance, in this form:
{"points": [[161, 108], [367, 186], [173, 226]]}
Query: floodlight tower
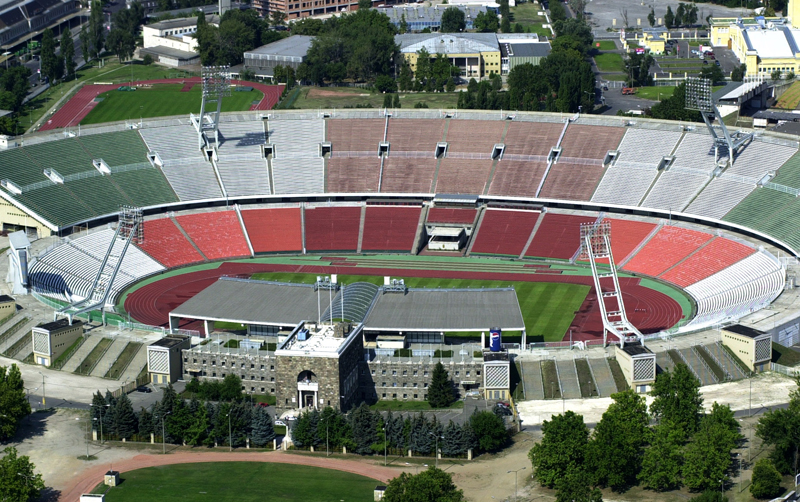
{"points": [[216, 85], [698, 97], [596, 245]]}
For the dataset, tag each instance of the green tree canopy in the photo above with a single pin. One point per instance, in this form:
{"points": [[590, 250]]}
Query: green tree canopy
{"points": [[663, 461], [18, 479], [431, 485], [52, 65], [781, 429], [676, 397], [766, 482], [708, 455], [440, 389], [67, 46], [453, 20], [487, 22], [490, 430], [14, 405], [563, 448]]}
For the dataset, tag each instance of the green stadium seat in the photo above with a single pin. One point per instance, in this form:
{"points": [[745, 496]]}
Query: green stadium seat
{"points": [[116, 149]]}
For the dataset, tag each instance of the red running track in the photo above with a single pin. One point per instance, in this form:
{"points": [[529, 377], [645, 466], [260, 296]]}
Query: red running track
{"points": [[649, 310], [82, 103]]}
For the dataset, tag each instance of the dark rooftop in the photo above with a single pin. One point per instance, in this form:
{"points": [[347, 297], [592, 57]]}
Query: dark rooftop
{"points": [[744, 331], [636, 349], [525, 50], [61, 323], [170, 341], [6, 299]]}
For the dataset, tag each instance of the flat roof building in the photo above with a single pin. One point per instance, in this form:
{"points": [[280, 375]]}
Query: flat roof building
{"points": [[638, 364], [751, 346], [289, 52], [164, 363], [419, 16], [51, 340], [516, 51], [475, 54]]}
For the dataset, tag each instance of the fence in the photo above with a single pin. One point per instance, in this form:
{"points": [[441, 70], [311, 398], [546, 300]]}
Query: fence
{"points": [[130, 386], [785, 370]]}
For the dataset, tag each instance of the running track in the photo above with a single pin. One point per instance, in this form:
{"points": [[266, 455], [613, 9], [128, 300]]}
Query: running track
{"points": [[89, 478], [83, 102], [649, 310]]}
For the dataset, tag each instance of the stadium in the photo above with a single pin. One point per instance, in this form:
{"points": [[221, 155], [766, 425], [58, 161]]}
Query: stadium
{"points": [[464, 204]]}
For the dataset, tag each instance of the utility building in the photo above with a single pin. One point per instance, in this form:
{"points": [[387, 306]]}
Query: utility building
{"points": [[752, 346], [52, 339]]}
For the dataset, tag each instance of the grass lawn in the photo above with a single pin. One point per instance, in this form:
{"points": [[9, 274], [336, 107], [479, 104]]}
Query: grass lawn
{"points": [[97, 352], [698, 43], [160, 101], [789, 99], [655, 93], [342, 97], [550, 380], [124, 359], [547, 308], [609, 61], [395, 405], [240, 482], [605, 45]]}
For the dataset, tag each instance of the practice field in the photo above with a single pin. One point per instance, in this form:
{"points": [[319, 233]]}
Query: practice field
{"points": [[351, 97], [239, 482], [547, 308], [161, 100]]}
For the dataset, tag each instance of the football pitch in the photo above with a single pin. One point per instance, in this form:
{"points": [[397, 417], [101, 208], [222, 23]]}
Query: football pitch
{"points": [[547, 308], [161, 100], [239, 482]]}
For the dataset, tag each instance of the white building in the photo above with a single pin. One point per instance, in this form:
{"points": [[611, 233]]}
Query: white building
{"points": [[173, 42]]}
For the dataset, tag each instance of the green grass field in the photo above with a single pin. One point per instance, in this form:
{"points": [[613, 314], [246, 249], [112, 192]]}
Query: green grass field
{"points": [[342, 97], [655, 93], [160, 101], [790, 98], [609, 61], [605, 45], [547, 308], [239, 482]]}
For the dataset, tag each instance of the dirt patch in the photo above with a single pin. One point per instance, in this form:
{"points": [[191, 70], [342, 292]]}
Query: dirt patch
{"points": [[321, 93]]}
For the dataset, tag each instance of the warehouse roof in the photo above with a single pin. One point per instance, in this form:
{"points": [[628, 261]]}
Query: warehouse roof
{"points": [[525, 49], [447, 43], [293, 48], [446, 310], [253, 302]]}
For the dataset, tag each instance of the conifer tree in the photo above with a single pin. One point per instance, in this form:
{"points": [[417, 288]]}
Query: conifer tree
{"points": [[124, 418], [440, 390], [262, 431]]}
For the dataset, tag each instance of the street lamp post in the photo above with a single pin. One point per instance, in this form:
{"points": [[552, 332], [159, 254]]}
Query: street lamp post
{"points": [[101, 421], [515, 480], [385, 443], [436, 453], [43, 405], [164, 434], [230, 433]]}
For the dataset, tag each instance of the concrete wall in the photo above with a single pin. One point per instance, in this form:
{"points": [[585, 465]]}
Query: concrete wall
{"points": [[257, 374], [60, 341], [8, 308], [408, 379], [743, 346]]}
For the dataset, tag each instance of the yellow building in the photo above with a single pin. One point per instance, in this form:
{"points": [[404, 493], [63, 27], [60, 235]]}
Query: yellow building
{"points": [[763, 44], [8, 306], [50, 340], [475, 54], [638, 365], [654, 39], [753, 347]]}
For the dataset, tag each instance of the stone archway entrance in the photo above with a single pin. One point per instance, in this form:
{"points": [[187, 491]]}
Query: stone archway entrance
{"points": [[307, 389]]}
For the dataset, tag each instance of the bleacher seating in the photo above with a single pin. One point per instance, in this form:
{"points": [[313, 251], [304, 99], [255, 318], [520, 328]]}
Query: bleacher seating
{"points": [[624, 184], [56, 204], [669, 246], [218, 234], [465, 176], [785, 225], [462, 137], [165, 243], [296, 138], [531, 138], [719, 197], [57, 284], [117, 148], [353, 174], [590, 142], [758, 207], [241, 166], [646, 146], [66, 156], [517, 178], [788, 174], [99, 193], [451, 215], [408, 175], [504, 232], [570, 181], [626, 235], [674, 189], [695, 151], [192, 181], [750, 161], [298, 175], [16, 165], [742, 288], [415, 135], [390, 228], [332, 228], [172, 142], [145, 187], [355, 135], [717, 255], [275, 230], [558, 236]]}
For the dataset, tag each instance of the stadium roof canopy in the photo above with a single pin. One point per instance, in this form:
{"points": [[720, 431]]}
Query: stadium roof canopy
{"points": [[247, 301], [446, 310]]}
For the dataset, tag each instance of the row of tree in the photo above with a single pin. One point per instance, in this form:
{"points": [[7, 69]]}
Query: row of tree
{"points": [[238, 32]]}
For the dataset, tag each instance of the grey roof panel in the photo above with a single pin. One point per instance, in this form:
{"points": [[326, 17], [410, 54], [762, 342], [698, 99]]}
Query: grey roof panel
{"points": [[446, 310], [448, 43], [295, 46]]}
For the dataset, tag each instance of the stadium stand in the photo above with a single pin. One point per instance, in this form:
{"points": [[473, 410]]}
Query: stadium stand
{"points": [[517, 178], [558, 236], [568, 379], [353, 174], [695, 151], [669, 246], [718, 254], [758, 207], [674, 189], [241, 166], [218, 234], [789, 173], [332, 228], [116, 148], [172, 142], [719, 197], [297, 166], [742, 288], [408, 175], [355, 135], [415, 135], [602, 376], [784, 225], [56, 204], [164, 242], [193, 180], [504, 232], [66, 156], [451, 215], [16, 165], [626, 235], [646, 146], [590, 142], [99, 193], [298, 175], [274, 230], [462, 137], [57, 284], [531, 138], [750, 161], [571, 181], [465, 176], [389, 228], [624, 184]]}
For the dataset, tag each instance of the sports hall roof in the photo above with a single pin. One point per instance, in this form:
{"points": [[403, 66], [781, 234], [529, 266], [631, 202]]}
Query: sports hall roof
{"points": [[446, 310], [254, 302]]}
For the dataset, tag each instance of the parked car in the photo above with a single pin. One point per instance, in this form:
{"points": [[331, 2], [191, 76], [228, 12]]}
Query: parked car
{"points": [[144, 389], [705, 62], [262, 405], [695, 51], [628, 90], [280, 422], [716, 63]]}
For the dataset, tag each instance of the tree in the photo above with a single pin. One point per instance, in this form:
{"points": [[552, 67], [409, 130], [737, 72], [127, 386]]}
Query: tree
{"points": [[623, 13], [96, 33], [708, 456], [453, 20], [637, 67], [431, 485], [776, 74], [674, 108], [505, 25], [669, 17], [51, 63], [713, 73], [454, 442], [487, 22], [677, 396], [489, 429], [781, 430], [576, 486], [651, 17], [124, 418], [563, 448], [14, 405], [145, 423], [277, 18], [403, 26], [578, 7], [440, 389], [766, 480], [231, 388], [738, 73], [18, 481], [122, 43], [663, 460], [364, 4], [364, 424], [396, 101], [130, 19], [385, 83], [68, 53], [421, 438], [679, 13], [262, 429], [557, 11], [197, 426]]}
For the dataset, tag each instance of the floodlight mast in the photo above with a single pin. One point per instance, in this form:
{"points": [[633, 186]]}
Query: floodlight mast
{"points": [[216, 81]]}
